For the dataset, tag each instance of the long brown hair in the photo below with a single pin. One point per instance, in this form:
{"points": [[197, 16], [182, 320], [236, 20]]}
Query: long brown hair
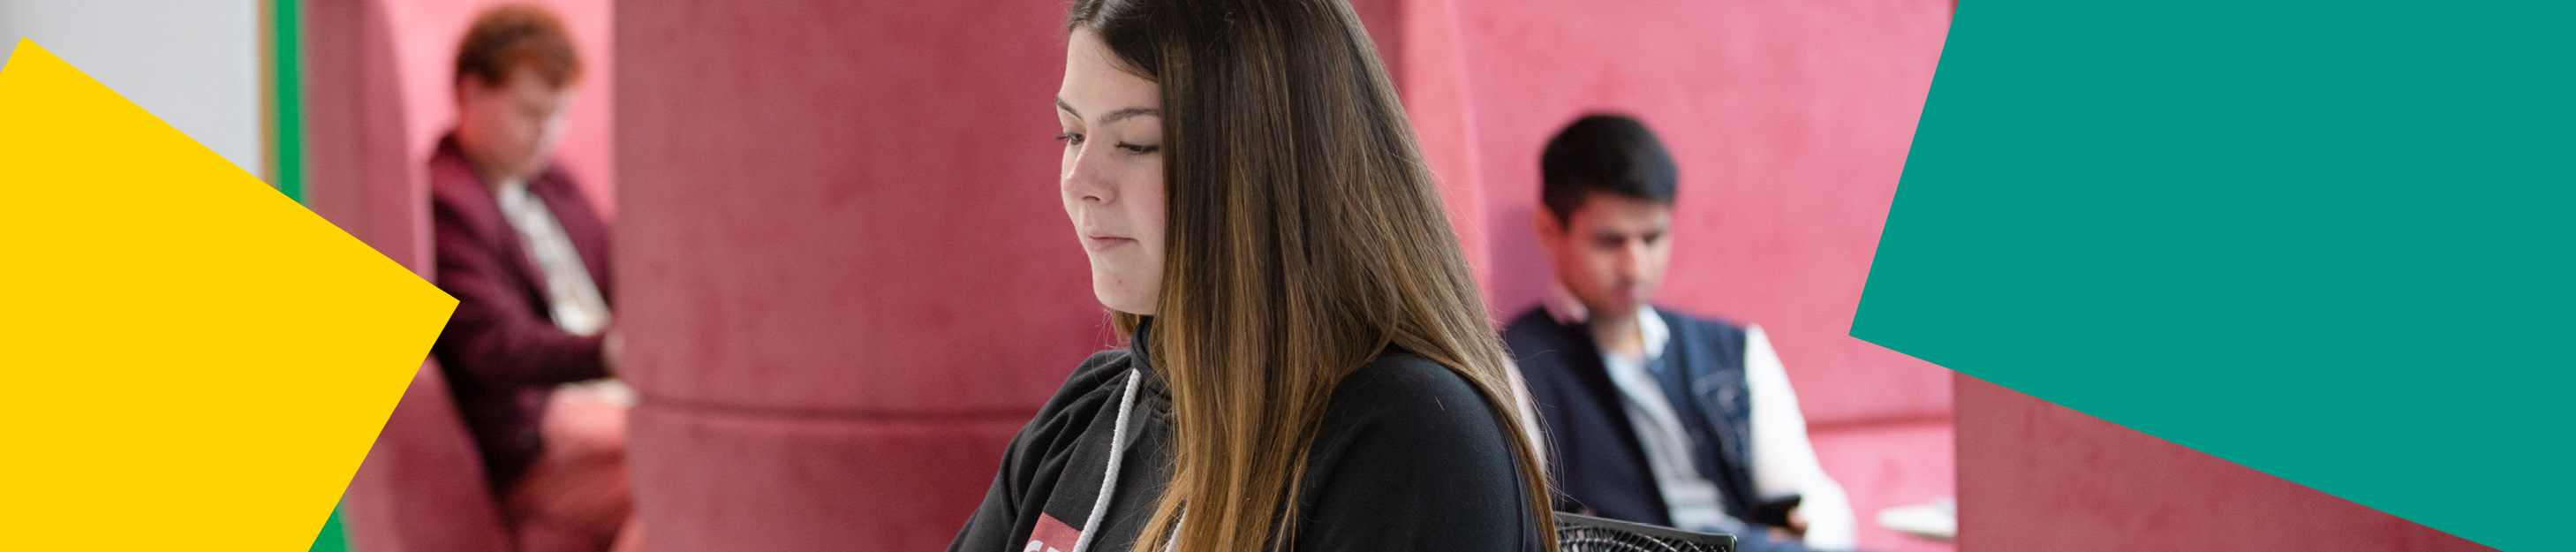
{"points": [[1305, 237]]}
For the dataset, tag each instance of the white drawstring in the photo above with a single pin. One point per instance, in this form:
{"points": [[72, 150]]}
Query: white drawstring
{"points": [[1109, 481]]}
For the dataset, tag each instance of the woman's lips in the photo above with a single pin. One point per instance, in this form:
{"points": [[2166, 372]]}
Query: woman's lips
{"points": [[1104, 243]]}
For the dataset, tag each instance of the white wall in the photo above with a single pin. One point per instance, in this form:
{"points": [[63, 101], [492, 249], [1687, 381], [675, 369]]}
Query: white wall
{"points": [[193, 63]]}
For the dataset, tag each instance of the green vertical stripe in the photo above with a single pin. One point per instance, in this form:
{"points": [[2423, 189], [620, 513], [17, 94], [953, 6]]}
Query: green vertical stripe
{"points": [[286, 34]]}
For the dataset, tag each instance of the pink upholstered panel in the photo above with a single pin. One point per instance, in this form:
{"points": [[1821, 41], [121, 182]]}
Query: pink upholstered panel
{"points": [[847, 207], [422, 488], [771, 482], [845, 271], [358, 172], [1419, 42], [2037, 476], [1885, 465]]}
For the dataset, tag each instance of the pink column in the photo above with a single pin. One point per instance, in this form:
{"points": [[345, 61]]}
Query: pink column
{"points": [[846, 276]]}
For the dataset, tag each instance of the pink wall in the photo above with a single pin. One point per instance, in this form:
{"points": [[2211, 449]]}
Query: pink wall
{"points": [[424, 35], [2037, 476]]}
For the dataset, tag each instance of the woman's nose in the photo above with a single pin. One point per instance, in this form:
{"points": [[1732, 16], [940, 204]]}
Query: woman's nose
{"points": [[1083, 179]]}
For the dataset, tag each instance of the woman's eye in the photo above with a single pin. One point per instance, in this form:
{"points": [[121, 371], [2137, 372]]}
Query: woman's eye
{"points": [[1139, 149], [1070, 138]]}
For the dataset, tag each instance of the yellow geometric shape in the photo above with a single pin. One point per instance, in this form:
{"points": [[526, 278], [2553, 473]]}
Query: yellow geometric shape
{"points": [[188, 360]]}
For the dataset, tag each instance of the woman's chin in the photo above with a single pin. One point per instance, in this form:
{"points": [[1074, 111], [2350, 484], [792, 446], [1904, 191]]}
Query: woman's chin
{"points": [[1121, 300]]}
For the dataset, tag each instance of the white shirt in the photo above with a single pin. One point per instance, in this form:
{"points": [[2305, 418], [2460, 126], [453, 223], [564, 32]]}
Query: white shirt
{"points": [[572, 299], [1784, 462]]}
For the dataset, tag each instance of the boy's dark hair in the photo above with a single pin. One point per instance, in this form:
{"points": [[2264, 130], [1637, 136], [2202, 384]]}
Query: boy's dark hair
{"points": [[1607, 153], [506, 38]]}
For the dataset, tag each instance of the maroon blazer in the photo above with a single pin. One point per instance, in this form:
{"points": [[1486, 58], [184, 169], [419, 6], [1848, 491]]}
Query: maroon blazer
{"points": [[501, 349]]}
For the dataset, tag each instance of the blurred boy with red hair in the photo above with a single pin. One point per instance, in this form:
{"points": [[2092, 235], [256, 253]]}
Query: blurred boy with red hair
{"points": [[527, 259]]}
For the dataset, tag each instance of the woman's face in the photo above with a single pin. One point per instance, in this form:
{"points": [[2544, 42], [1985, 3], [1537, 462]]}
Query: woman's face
{"points": [[1112, 178]]}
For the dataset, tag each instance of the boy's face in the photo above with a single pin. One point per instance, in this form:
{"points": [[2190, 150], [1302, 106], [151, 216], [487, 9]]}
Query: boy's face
{"points": [[509, 129], [1611, 252]]}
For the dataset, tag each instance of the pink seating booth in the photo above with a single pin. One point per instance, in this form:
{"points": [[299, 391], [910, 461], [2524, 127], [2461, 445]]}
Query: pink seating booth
{"points": [[376, 96], [421, 487]]}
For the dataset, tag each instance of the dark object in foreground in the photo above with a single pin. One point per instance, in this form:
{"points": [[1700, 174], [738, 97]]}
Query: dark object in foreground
{"points": [[1582, 533]]}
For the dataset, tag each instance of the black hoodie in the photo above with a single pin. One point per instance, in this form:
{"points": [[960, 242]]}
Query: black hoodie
{"points": [[1409, 457]]}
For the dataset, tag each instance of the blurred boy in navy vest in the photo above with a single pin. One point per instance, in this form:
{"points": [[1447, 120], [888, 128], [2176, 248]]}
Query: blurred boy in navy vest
{"points": [[1654, 416], [526, 257]]}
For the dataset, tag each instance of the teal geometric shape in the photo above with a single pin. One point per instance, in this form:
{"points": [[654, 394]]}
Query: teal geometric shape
{"points": [[2331, 241]]}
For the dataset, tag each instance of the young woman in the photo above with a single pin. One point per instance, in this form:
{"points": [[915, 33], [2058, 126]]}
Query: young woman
{"points": [[1310, 366]]}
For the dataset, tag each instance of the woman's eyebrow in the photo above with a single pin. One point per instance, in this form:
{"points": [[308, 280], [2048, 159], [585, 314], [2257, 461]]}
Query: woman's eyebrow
{"points": [[1115, 116]]}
